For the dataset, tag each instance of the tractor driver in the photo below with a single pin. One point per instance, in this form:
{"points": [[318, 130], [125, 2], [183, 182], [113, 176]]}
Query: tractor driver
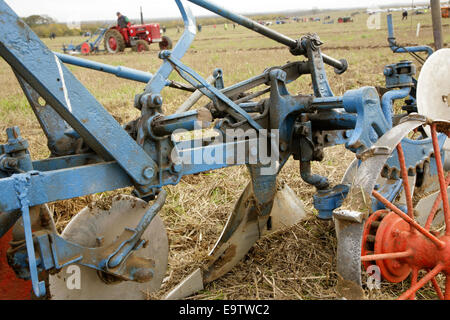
{"points": [[122, 21]]}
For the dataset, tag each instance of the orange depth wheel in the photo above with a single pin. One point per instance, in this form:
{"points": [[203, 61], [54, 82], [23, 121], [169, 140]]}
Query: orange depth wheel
{"points": [[401, 245]]}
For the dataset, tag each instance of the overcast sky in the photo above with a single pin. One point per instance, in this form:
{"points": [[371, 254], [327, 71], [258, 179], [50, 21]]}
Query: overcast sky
{"points": [[84, 10]]}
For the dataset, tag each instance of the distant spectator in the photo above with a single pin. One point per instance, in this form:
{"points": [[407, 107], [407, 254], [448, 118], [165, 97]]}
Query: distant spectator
{"points": [[199, 27], [178, 29], [225, 26], [164, 29], [52, 36], [122, 21], [405, 15], [234, 26]]}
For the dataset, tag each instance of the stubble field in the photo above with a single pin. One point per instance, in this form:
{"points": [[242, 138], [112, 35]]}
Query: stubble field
{"points": [[297, 263]]}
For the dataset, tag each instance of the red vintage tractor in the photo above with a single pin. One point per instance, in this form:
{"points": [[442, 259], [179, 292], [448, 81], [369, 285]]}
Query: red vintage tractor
{"points": [[445, 12], [137, 37]]}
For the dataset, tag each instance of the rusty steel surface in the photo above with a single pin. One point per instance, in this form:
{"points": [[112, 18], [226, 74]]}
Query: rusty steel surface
{"points": [[96, 225], [399, 245]]}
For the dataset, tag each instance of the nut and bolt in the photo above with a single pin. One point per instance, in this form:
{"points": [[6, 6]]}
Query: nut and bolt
{"points": [[100, 241], [388, 71], [137, 101], [283, 146], [13, 133], [148, 173], [177, 167], [157, 100], [165, 54], [347, 134]]}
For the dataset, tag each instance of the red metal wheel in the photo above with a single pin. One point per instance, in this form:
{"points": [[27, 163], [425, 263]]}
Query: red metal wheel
{"points": [[112, 43], [140, 48], [166, 43], [387, 240], [401, 246], [85, 48], [369, 233], [11, 287]]}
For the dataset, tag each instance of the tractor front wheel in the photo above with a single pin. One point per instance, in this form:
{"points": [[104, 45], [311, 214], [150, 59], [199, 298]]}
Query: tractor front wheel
{"points": [[141, 46], [114, 41], [166, 43]]}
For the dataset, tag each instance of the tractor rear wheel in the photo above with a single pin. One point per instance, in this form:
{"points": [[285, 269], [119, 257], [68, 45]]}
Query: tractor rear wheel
{"points": [[141, 46], [166, 43], [114, 41]]}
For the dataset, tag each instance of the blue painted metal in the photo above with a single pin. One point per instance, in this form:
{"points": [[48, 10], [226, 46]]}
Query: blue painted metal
{"points": [[25, 52], [218, 75], [284, 107], [400, 74], [398, 49], [119, 71], [416, 152], [66, 162], [52, 124], [326, 103], [295, 45], [160, 125], [388, 100], [15, 157], [316, 66], [194, 158], [388, 190], [201, 84], [93, 45], [370, 124], [100, 33], [158, 82], [21, 184], [335, 120], [63, 184], [325, 201], [18, 147], [320, 182], [124, 72]]}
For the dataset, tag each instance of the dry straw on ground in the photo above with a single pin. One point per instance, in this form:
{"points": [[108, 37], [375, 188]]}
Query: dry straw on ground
{"points": [[297, 263]]}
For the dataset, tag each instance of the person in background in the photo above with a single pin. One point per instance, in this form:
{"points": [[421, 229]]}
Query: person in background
{"points": [[405, 15], [122, 21]]}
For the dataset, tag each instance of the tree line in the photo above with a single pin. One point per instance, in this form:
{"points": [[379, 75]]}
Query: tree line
{"points": [[44, 26]]}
